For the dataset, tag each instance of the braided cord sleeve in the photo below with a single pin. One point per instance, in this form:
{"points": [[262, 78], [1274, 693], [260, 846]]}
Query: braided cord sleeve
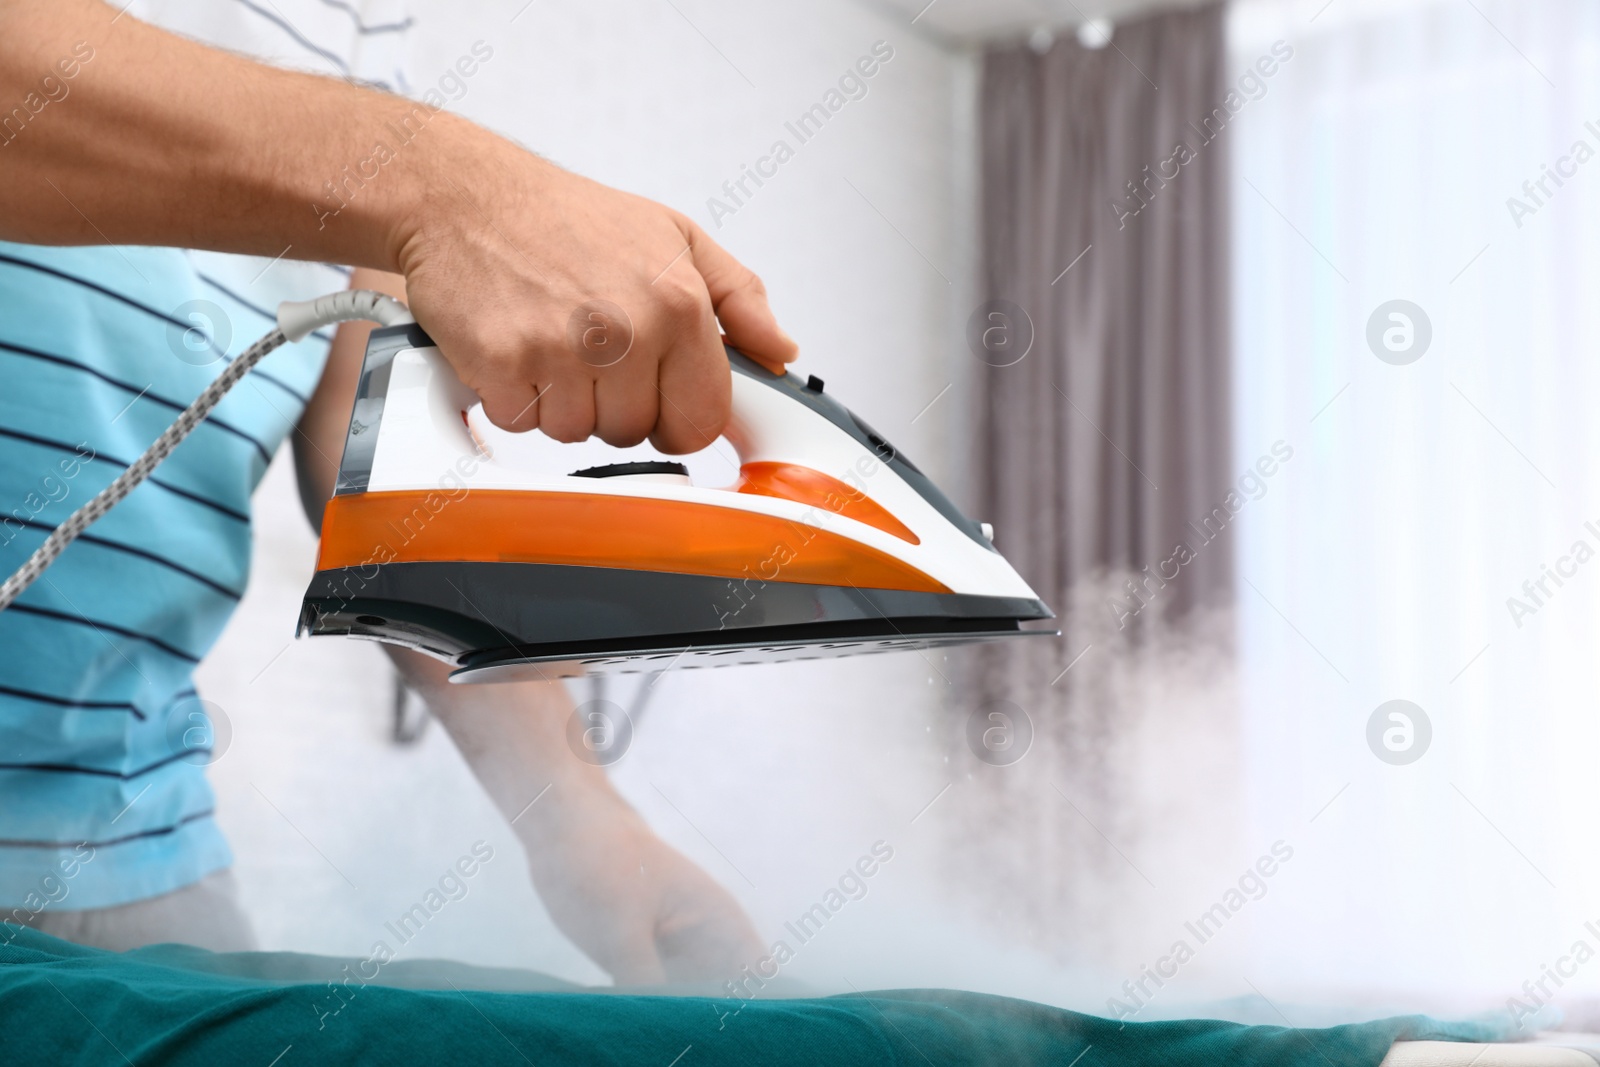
{"points": [[296, 320], [141, 469]]}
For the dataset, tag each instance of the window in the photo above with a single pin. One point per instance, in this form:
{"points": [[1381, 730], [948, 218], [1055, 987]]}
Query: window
{"points": [[1445, 470]]}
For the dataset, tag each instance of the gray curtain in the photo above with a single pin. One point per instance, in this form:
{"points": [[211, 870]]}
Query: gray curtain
{"points": [[1112, 433], [1099, 448]]}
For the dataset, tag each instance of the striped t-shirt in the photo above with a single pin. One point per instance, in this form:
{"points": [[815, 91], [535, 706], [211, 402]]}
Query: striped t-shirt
{"points": [[103, 739]]}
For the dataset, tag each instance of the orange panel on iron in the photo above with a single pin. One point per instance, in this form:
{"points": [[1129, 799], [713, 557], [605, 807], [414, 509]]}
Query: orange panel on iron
{"points": [[790, 481], [600, 530]]}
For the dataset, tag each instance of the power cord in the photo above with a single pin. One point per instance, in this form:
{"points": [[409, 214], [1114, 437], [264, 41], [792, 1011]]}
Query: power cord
{"points": [[296, 319]]}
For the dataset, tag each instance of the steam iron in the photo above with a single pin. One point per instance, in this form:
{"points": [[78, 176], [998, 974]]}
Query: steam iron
{"points": [[830, 542]]}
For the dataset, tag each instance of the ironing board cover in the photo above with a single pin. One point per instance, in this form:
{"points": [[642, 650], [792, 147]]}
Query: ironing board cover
{"points": [[65, 1004]]}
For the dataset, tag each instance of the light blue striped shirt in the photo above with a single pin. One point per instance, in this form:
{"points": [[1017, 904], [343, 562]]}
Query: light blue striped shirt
{"points": [[102, 738]]}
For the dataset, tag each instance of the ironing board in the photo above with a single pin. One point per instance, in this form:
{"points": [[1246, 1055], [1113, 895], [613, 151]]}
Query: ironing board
{"points": [[66, 1004], [1561, 1051]]}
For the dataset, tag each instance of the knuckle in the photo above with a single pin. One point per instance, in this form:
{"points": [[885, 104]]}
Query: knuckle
{"points": [[687, 227], [683, 301], [753, 284]]}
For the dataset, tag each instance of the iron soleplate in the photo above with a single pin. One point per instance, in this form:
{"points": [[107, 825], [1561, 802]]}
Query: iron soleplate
{"points": [[530, 665], [546, 620]]}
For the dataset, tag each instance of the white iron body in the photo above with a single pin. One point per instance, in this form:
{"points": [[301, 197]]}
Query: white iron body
{"points": [[880, 559]]}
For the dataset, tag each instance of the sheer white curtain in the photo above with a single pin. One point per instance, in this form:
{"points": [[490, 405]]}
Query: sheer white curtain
{"points": [[1422, 495]]}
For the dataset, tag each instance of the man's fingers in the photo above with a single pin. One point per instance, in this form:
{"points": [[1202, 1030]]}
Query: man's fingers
{"points": [[512, 406], [695, 389], [566, 409], [626, 406], [693, 379], [721, 943], [740, 301], [636, 965]]}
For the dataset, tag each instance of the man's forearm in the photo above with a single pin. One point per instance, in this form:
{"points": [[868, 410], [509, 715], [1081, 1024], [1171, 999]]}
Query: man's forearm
{"points": [[637, 906], [156, 139], [513, 736]]}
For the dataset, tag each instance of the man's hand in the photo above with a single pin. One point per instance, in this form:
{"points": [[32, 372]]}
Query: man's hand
{"points": [[577, 309], [631, 902], [566, 305]]}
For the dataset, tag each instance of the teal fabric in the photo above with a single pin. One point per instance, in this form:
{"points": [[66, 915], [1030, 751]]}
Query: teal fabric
{"points": [[63, 1004]]}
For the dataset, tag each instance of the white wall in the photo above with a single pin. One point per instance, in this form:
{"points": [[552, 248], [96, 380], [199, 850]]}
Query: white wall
{"points": [[790, 771]]}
